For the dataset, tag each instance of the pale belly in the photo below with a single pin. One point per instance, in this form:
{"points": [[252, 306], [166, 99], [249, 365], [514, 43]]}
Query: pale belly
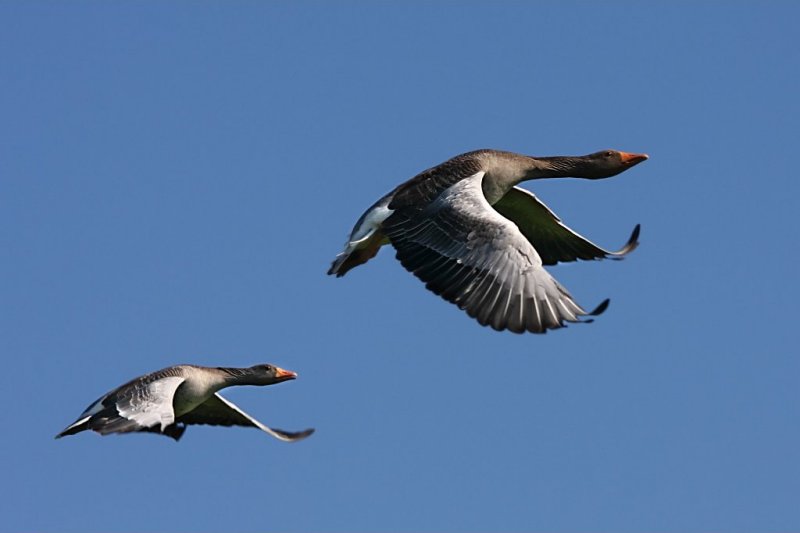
{"points": [[188, 397]]}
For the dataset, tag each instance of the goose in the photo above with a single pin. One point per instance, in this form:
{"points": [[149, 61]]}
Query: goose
{"points": [[168, 400], [474, 238]]}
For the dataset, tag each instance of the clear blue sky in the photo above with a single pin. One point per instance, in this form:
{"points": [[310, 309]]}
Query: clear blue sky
{"points": [[176, 177]]}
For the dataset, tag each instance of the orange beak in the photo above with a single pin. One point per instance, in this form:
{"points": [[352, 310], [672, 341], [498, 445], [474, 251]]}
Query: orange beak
{"points": [[632, 159], [285, 374]]}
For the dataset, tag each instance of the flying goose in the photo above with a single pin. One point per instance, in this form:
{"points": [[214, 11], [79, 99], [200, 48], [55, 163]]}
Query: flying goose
{"points": [[168, 400], [477, 240]]}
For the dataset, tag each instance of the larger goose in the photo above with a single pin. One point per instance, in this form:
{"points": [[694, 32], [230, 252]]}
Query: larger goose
{"points": [[476, 239], [168, 400]]}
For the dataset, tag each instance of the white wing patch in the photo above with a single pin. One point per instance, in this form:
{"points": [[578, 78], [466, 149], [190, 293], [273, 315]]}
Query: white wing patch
{"points": [[151, 405], [76, 424], [472, 256], [371, 222]]}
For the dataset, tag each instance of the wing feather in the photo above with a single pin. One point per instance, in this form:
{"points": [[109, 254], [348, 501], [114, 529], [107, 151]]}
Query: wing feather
{"points": [[472, 256], [148, 404], [554, 241], [217, 411]]}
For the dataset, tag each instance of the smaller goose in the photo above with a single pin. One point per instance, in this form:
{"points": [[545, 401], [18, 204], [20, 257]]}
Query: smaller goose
{"points": [[477, 240], [168, 400]]}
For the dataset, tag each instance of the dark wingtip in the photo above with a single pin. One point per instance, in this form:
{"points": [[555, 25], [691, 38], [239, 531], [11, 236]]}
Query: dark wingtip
{"points": [[337, 269], [635, 235], [600, 308], [174, 431], [71, 430], [632, 244], [294, 436]]}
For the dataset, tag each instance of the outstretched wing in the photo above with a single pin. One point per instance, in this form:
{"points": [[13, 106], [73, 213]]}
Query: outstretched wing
{"points": [[554, 241], [217, 411], [139, 406], [470, 255]]}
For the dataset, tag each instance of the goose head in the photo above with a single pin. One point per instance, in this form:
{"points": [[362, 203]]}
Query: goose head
{"points": [[606, 163], [263, 374], [269, 374]]}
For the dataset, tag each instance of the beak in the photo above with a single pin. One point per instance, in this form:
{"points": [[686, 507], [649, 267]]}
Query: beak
{"points": [[632, 159], [285, 374]]}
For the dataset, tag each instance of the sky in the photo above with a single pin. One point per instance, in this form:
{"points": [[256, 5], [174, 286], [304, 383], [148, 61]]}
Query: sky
{"points": [[175, 178]]}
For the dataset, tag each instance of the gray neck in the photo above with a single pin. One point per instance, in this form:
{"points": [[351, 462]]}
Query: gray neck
{"points": [[557, 167], [238, 376], [504, 170]]}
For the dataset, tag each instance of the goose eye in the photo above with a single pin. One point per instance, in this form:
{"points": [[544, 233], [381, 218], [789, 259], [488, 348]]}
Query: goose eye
{"points": [[609, 153]]}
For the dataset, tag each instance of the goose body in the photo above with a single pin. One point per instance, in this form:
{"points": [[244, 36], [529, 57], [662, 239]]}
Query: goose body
{"points": [[168, 400], [476, 239]]}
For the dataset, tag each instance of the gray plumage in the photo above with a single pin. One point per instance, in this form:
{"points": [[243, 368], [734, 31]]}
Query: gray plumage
{"points": [[168, 400], [480, 242]]}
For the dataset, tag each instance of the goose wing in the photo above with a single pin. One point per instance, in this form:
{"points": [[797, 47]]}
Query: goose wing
{"points": [[217, 411], [472, 256], [144, 404], [138, 406], [554, 241]]}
